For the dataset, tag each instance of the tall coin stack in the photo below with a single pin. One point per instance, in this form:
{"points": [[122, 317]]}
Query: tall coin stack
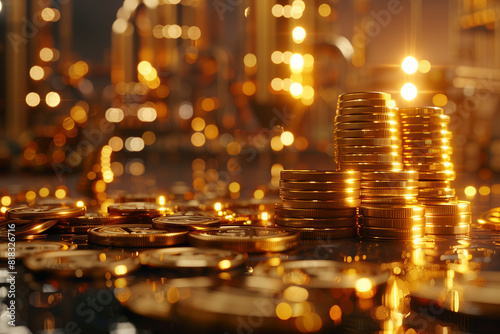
{"points": [[367, 135], [319, 204], [427, 150]]}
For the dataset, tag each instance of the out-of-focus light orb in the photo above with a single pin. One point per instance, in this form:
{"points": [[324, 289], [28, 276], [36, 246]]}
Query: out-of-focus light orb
{"points": [[258, 194], [211, 131], [60, 193], [1, 6], [324, 10], [424, 66], [198, 139], [120, 26], [296, 63], [296, 89], [194, 33], [276, 144], [287, 138], [43, 192], [409, 65], [277, 84], [249, 88], [114, 115], [186, 110], [52, 99], [298, 34], [37, 73], [32, 99], [484, 190], [277, 10], [116, 143], [149, 137], [250, 60], [363, 285], [234, 187], [198, 124], [470, 191], [6, 201], [409, 91], [440, 100], [46, 54], [277, 57], [146, 114]]}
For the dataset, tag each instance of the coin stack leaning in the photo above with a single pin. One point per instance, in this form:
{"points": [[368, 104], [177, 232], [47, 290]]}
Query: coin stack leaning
{"points": [[319, 204], [452, 218], [367, 136], [427, 150]]}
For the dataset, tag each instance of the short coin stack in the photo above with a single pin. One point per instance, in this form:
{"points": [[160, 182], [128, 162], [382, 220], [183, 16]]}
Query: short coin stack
{"points": [[367, 134], [319, 204], [389, 187], [391, 222], [426, 149], [453, 218]]}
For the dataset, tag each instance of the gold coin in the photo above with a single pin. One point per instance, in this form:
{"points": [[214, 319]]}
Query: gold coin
{"points": [[437, 175], [382, 125], [436, 192], [139, 208], [414, 111], [430, 167], [93, 218], [389, 192], [248, 239], [190, 222], [44, 212], [463, 218], [389, 176], [365, 103], [82, 263], [337, 204], [137, 197], [364, 96], [367, 158], [24, 227], [388, 200], [193, 259], [315, 175], [419, 128], [319, 195], [345, 185], [368, 142], [26, 248], [282, 212], [369, 133], [448, 209], [434, 138], [368, 150], [371, 166], [316, 222], [391, 233], [131, 235], [367, 118], [403, 223], [427, 151], [389, 184], [320, 233], [408, 211], [420, 119], [367, 110], [447, 229], [434, 184], [490, 219], [422, 159]]}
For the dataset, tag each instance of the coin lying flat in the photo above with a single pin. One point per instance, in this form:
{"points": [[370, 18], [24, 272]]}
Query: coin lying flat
{"points": [[364, 96], [81, 263], [249, 239], [447, 229], [325, 233], [316, 222], [366, 103], [25, 227], [421, 111], [24, 249], [392, 211], [44, 212], [191, 222], [391, 233], [315, 175], [131, 235], [283, 212], [448, 209], [319, 186], [404, 223], [193, 259], [139, 208], [314, 204], [323, 195]]}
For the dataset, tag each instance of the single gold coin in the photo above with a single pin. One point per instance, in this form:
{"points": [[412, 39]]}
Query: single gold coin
{"points": [[391, 233], [82, 263], [442, 175], [315, 204], [367, 110], [368, 133], [319, 195], [375, 125], [247, 239], [408, 211], [436, 192], [282, 212], [367, 118], [365, 103], [140, 208], [371, 142], [419, 111], [421, 119], [368, 158], [364, 96], [193, 259], [403, 223], [447, 229], [23, 249], [345, 185], [389, 184], [434, 184], [316, 222], [315, 175], [190, 222], [25, 227], [422, 159], [323, 233], [131, 235], [371, 166], [44, 212], [346, 150], [389, 192], [490, 219], [459, 219], [419, 128], [406, 175], [389, 200]]}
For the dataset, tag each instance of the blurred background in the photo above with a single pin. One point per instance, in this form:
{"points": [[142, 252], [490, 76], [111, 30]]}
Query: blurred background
{"points": [[203, 99]]}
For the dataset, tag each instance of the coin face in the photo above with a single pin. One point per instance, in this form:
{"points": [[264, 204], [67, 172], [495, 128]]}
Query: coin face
{"points": [[81, 263], [250, 239], [44, 212], [131, 235], [364, 96], [24, 249], [191, 222], [490, 219], [193, 258]]}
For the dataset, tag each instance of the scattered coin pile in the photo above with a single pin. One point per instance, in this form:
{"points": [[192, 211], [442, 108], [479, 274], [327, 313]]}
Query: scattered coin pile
{"points": [[453, 218], [319, 204], [367, 134]]}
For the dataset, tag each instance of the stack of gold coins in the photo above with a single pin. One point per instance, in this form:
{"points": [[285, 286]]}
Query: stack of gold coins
{"points": [[389, 188], [319, 204], [367, 134], [453, 218], [426, 149], [391, 222]]}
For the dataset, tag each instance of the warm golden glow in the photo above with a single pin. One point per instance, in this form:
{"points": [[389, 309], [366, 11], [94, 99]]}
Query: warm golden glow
{"points": [[440, 100], [298, 35], [60, 193], [52, 99], [363, 285], [37, 73], [234, 187], [224, 264], [424, 66], [324, 10], [198, 124], [470, 191], [296, 90], [211, 131], [409, 91], [6, 201], [484, 190], [32, 99], [218, 206], [250, 60], [284, 311], [258, 194], [121, 270], [296, 294], [296, 63], [409, 65], [287, 138]]}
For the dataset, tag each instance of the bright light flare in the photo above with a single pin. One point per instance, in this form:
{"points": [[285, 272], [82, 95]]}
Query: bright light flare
{"points": [[409, 65], [409, 91]]}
